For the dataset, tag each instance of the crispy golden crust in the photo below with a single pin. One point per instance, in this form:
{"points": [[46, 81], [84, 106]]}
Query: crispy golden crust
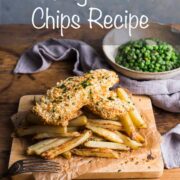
{"points": [[108, 106], [63, 102]]}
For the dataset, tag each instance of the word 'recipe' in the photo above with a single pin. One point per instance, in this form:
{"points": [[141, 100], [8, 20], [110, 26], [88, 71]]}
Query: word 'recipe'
{"points": [[96, 17]]}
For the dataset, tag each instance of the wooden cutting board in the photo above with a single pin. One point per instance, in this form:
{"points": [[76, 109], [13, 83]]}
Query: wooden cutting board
{"points": [[143, 163]]}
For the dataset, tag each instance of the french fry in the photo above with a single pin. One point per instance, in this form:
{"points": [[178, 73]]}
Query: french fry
{"points": [[137, 119], [105, 133], [104, 153], [67, 155], [56, 135], [72, 129], [79, 121], [109, 145], [24, 131], [102, 121], [128, 124], [33, 149], [129, 142], [123, 95], [33, 119], [107, 124], [52, 153], [134, 114], [130, 129], [96, 138]]}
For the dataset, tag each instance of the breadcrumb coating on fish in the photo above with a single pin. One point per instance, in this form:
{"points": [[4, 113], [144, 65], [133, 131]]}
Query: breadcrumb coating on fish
{"points": [[64, 101], [108, 106]]}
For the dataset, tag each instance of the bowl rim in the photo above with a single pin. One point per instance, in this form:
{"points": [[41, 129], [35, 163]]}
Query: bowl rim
{"points": [[127, 69]]}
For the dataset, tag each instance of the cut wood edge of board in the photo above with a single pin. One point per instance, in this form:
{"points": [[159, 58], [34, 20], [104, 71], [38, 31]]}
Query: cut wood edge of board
{"points": [[122, 175]]}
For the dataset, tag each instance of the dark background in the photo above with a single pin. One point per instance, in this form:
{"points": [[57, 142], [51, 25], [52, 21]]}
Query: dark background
{"points": [[20, 11]]}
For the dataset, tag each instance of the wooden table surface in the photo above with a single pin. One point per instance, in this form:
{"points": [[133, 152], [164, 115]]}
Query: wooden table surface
{"points": [[14, 40]]}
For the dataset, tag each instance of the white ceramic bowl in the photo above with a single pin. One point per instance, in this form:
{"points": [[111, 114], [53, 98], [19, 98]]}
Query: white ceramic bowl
{"points": [[116, 38]]}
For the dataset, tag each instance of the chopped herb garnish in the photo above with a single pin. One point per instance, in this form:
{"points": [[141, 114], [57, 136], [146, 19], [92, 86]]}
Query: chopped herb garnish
{"points": [[86, 83], [63, 87], [110, 98], [90, 92]]}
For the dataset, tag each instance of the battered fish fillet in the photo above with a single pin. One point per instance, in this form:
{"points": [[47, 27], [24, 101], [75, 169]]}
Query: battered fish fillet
{"points": [[108, 106], [64, 101]]}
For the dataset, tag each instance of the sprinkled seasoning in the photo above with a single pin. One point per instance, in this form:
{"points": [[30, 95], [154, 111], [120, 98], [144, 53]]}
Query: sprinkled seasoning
{"points": [[86, 83]]}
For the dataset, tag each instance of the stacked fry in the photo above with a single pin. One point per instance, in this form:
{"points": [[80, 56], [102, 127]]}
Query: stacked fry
{"points": [[86, 137]]}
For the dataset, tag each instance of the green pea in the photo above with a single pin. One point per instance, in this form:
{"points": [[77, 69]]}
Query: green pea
{"points": [[142, 56], [148, 62]]}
